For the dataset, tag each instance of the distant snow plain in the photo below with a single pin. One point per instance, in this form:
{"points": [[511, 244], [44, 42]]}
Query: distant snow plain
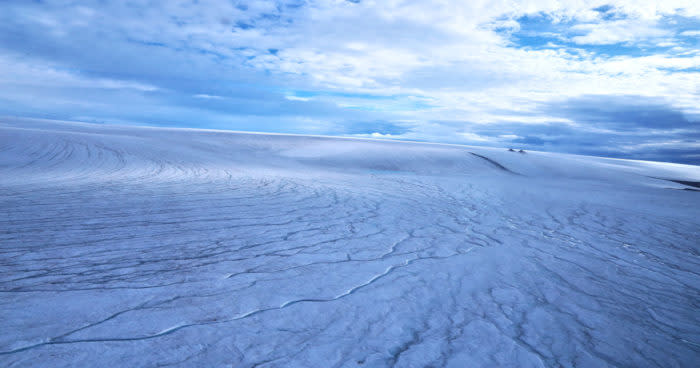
{"points": [[143, 247]]}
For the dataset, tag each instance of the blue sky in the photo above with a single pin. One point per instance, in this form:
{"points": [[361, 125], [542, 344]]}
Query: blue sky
{"points": [[614, 78]]}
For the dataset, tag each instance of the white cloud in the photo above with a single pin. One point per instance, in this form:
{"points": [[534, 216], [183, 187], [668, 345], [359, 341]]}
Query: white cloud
{"points": [[473, 137], [449, 53], [23, 72], [380, 135], [208, 97], [297, 98], [618, 31], [695, 33], [446, 53]]}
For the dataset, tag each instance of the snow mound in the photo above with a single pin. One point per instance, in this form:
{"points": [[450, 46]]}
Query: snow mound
{"points": [[126, 246]]}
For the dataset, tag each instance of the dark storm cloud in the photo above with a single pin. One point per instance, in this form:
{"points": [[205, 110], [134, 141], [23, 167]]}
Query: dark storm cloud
{"points": [[616, 126], [622, 113]]}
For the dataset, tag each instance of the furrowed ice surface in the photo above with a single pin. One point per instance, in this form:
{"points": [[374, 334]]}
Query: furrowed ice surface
{"points": [[137, 247]]}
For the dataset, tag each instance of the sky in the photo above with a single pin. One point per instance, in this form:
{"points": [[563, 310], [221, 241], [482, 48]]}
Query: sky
{"points": [[608, 78]]}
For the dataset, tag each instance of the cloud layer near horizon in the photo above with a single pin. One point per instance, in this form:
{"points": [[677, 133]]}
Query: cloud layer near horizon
{"points": [[617, 78]]}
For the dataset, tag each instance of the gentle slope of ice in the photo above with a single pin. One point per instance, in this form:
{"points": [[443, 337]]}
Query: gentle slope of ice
{"points": [[124, 246]]}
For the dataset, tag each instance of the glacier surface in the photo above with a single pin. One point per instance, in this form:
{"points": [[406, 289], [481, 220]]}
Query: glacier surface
{"points": [[133, 246]]}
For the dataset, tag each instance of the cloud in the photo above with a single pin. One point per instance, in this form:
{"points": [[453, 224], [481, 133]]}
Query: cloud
{"points": [[297, 98], [375, 128], [529, 141], [616, 126], [694, 33], [20, 71], [545, 73], [618, 31], [208, 97], [621, 113]]}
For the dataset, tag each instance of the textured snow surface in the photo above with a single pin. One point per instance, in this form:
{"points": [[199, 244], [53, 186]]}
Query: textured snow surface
{"points": [[125, 246]]}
